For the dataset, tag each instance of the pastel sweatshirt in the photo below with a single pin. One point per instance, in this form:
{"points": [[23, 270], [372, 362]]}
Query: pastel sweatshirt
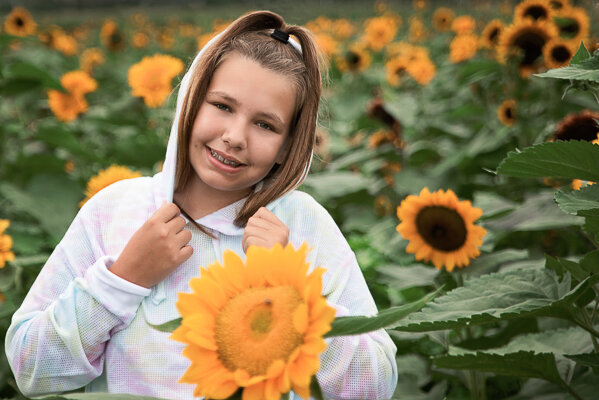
{"points": [[80, 325]]}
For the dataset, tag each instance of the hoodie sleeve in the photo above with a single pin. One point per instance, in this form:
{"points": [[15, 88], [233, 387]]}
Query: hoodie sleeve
{"points": [[352, 367], [57, 337]]}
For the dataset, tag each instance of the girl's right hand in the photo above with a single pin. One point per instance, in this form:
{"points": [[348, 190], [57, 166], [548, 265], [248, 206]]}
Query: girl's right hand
{"points": [[156, 249]]}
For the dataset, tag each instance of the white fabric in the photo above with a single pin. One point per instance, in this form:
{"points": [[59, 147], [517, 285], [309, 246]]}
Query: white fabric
{"points": [[81, 325]]}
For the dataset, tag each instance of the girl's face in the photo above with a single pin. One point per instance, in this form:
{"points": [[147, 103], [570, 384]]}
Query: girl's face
{"points": [[242, 126]]}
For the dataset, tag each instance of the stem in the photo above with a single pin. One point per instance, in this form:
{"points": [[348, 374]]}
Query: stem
{"points": [[18, 278], [473, 385], [571, 391]]}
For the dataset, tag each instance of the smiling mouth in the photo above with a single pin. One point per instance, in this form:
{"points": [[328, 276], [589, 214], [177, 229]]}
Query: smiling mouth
{"points": [[224, 160]]}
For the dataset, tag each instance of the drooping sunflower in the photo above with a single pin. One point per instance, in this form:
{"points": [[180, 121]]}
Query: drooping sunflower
{"points": [[506, 112], [111, 36], [525, 40], [573, 24], [463, 47], [440, 228], [355, 59], [254, 325], [442, 19], [464, 24], [151, 78], [380, 31], [558, 52], [376, 110], [91, 58], [535, 10], [19, 23], [490, 36], [581, 126], [6, 242], [106, 177]]}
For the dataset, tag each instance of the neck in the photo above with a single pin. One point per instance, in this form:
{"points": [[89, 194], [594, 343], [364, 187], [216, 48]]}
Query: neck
{"points": [[199, 199]]}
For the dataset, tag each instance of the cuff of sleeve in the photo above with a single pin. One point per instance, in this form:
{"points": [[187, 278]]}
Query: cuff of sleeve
{"points": [[119, 296]]}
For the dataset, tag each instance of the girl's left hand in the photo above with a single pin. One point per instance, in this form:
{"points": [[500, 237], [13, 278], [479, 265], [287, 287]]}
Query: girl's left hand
{"points": [[264, 229]]}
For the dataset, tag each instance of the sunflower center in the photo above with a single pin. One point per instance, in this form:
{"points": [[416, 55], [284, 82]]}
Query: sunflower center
{"points": [[571, 28], [19, 21], [560, 54], [531, 43], [442, 228], [353, 58], [494, 35], [256, 328], [581, 128], [509, 113], [536, 12]]}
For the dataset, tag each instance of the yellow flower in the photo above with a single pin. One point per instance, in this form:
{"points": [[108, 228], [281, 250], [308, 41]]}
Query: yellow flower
{"points": [[380, 31], [356, 58], [106, 177], [66, 44], [573, 25], [490, 36], [254, 325], [578, 184], [559, 5], [343, 28], [5, 244], [442, 19], [463, 47], [395, 68], [525, 40], [422, 70], [205, 38], [90, 58], [151, 78], [558, 52], [166, 38], [440, 228], [111, 36], [67, 106], [418, 31], [506, 112], [19, 23], [69, 166], [463, 24], [420, 5], [326, 43], [534, 10]]}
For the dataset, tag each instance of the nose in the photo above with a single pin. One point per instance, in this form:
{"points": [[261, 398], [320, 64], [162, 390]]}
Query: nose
{"points": [[235, 133]]}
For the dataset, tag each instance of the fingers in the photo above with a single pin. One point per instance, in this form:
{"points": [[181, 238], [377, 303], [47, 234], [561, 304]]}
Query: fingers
{"points": [[166, 212], [256, 241], [266, 214], [176, 224]]}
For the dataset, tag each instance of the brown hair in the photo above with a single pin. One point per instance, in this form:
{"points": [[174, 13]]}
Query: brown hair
{"points": [[249, 35]]}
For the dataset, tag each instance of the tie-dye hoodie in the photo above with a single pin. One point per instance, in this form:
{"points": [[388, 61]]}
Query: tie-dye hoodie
{"points": [[81, 325]]}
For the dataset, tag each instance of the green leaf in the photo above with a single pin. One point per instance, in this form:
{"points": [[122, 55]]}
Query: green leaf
{"points": [[572, 159], [525, 364], [590, 262], [587, 359], [62, 137], [560, 265], [400, 277], [591, 225], [327, 185], [581, 55], [384, 319], [500, 296], [167, 326], [26, 71], [573, 201]]}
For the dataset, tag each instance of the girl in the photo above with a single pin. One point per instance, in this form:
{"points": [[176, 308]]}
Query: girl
{"points": [[241, 142]]}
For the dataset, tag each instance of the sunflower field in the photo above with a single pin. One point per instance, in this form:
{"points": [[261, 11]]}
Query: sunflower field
{"points": [[457, 150]]}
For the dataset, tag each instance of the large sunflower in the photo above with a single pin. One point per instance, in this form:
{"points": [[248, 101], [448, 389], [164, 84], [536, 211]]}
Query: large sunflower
{"points": [[535, 10], [581, 126], [526, 40], [440, 228], [257, 326], [380, 31], [558, 52], [151, 78], [6, 253], [106, 177], [19, 23], [67, 106], [573, 24], [506, 112]]}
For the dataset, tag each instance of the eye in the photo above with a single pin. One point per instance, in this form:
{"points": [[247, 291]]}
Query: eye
{"points": [[264, 125], [221, 106]]}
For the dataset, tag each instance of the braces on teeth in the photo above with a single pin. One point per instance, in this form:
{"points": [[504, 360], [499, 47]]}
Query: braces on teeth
{"points": [[222, 159]]}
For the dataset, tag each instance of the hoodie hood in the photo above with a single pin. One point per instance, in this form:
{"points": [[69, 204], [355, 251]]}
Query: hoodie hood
{"points": [[164, 182]]}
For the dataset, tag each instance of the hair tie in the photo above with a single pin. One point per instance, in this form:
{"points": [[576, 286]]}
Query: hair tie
{"points": [[280, 36]]}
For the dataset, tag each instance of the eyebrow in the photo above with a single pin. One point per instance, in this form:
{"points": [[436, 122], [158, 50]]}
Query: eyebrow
{"points": [[261, 114]]}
